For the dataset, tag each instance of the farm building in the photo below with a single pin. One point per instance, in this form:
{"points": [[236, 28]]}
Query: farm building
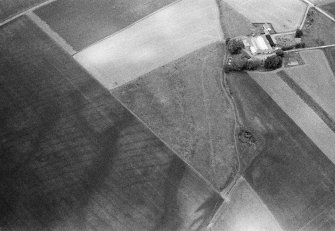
{"points": [[267, 28], [257, 45]]}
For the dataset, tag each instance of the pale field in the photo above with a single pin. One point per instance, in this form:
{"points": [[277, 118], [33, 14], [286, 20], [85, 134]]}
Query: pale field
{"points": [[309, 122], [158, 39], [316, 78], [244, 210], [285, 15]]}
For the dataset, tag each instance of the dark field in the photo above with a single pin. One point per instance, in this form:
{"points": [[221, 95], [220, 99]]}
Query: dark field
{"points": [[318, 29], [72, 158], [291, 175], [182, 102], [83, 22], [329, 8], [10, 8]]}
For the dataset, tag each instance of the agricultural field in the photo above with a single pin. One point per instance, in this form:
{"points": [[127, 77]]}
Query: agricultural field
{"points": [[318, 29], [244, 211], [324, 222], [316, 79], [285, 15], [329, 8], [153, 42], [299, 111], [233, 23], [330, 55], [73, 158], [321, 2], [83, 22], [9, 8], [291, 175], [183, 103]]}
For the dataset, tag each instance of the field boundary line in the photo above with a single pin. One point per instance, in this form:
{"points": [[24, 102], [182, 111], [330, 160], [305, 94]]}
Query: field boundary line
{"points": [[24, 12], [168, 146], [51, 33], [319, 9], [307, 99], [130, 25], [305, 17], [220, 213], [220, 32], [263, 203]]}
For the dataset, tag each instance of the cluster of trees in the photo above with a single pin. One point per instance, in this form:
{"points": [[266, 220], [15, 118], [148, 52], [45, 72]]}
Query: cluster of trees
{"points": [[234, 45], [243, 63], [273, 62], [298, 33], [298, 45]]}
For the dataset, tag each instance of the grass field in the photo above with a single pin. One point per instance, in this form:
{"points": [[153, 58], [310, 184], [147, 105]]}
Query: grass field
{"points": [[329, 8], [182, 102], [285, 15], [317, 79], [72, 158], [83, 22], [233, 23], [9, 8], [291, 175], [318, 29], [245, 211], [155, 41]]}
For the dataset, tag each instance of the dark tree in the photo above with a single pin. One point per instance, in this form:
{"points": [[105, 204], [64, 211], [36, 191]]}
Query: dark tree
{"points": [[299, 33], [235, 46], [280, 53], [300, 45], [286, 48], [273, 62], [252, 64], [239, 64], [227, 40]]}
